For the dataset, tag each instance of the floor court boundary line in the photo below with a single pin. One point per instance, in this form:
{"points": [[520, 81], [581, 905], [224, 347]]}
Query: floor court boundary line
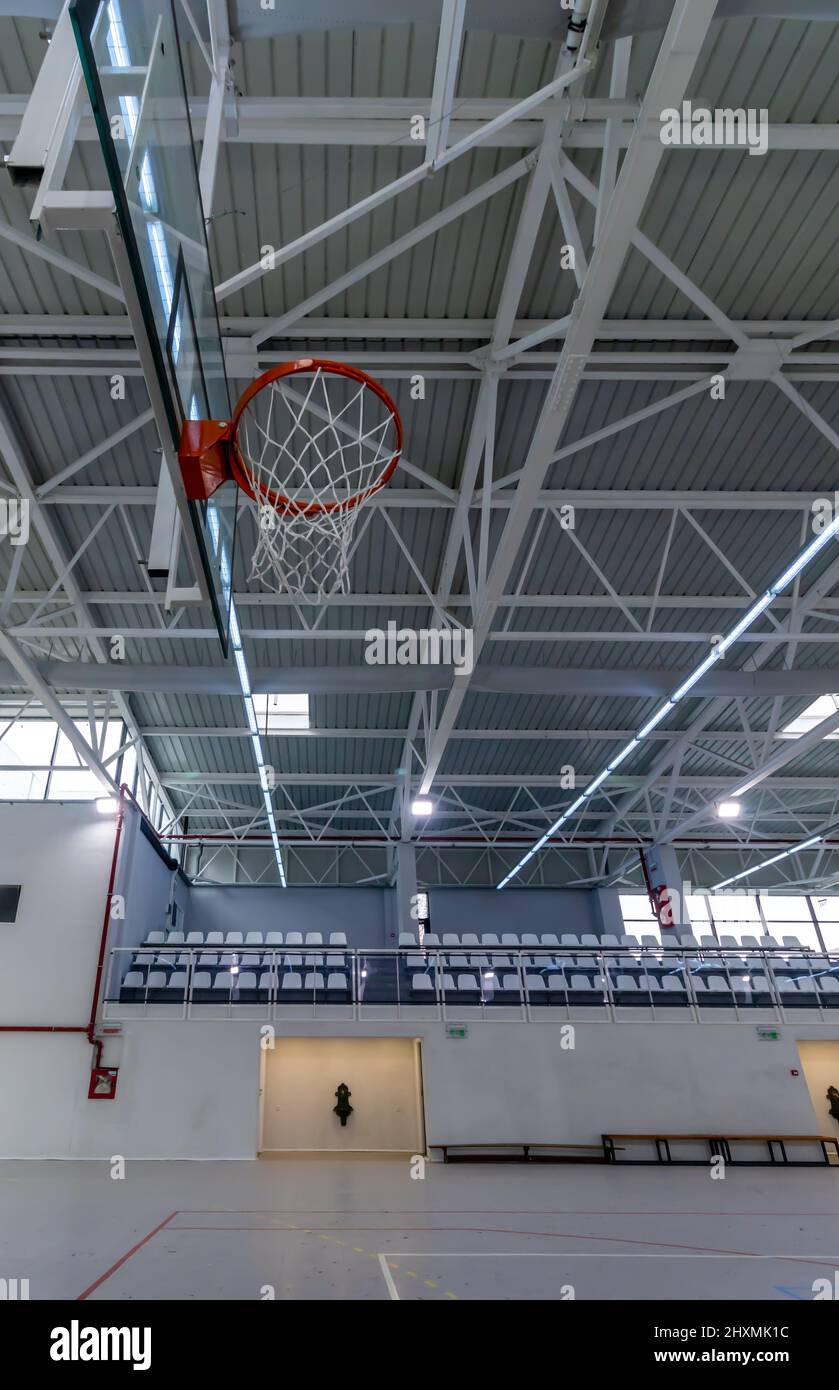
{"points": [[123, 1258], [389, 1280]]}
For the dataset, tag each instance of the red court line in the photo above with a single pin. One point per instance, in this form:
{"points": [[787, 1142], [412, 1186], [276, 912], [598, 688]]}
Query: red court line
{"points": [[127, 1256]]}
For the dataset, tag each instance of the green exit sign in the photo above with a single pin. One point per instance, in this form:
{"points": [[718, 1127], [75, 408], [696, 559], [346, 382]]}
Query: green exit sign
{"points": [[769, 1034], [457, 1030]]}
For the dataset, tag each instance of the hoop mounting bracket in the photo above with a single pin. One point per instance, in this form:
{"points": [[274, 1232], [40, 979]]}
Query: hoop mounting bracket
{"points": [[205, 457]]}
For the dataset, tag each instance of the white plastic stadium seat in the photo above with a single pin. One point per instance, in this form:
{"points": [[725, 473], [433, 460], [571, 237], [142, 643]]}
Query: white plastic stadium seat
{"points": [[314, 938], [273, 938], [337, 938], [254, 938], [234, 938], [294, 938]]}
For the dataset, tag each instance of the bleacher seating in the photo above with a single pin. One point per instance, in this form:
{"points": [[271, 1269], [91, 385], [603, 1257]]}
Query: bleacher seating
{"points": [[520, 969]]}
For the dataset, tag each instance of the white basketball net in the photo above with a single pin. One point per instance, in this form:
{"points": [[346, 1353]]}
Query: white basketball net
{"points": [[321, 438]]}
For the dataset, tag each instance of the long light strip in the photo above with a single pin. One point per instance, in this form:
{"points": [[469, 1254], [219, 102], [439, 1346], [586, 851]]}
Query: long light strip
{"points": [[742, 625], [776, 859], [121, 58]]}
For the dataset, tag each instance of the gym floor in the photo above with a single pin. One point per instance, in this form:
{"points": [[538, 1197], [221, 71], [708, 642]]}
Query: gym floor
{"points": [[355, 1229]]}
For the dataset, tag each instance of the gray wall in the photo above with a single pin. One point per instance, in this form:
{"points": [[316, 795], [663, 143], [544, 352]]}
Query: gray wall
{"points": [[362, 913], [517, 910]]}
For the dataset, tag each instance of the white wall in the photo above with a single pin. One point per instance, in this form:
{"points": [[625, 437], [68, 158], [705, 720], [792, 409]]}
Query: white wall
{"points": [[300, 1079], [61, 855]]}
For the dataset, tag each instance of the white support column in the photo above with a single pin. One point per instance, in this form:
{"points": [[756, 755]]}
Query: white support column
{"points": [[406, 886]]}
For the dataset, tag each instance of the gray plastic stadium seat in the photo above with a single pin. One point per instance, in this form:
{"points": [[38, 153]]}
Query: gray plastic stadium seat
{"points": [[431, 940], [157, 979], [175, 938], [422, 984], [337, 938], [510, 938], [292, 981], [155, 938], [254, 938], [269, 980], [451, 938], [588, 938], [294, 938], [202, 979], [207, 958], [673, 984], [570, 939], [688, 939], [135, 979], [626, 984], [313, 961], [469, 938], [529, 938], [234, 938], [467, 984], [293, 961], [630, 941], [581, 984], [273, 938], [769, 943], [314, 980], [195, 938], [336, 981], [335, 961], [793, 942], [215, 938], [224, 981], [607, 939], [406, 938], [550, 938], [649, 940], [488, 938], [709, 941], [314, 938], [750, 941]]}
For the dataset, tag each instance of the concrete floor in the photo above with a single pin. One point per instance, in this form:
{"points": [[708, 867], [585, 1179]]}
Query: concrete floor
{"points": [[351, 1229]]}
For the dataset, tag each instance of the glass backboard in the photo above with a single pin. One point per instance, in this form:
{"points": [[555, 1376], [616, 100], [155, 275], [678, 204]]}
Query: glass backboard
{"points": [[133, 67]]}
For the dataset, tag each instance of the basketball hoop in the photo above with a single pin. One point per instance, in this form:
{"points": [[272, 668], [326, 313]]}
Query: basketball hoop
{"points": [[309, 443]]}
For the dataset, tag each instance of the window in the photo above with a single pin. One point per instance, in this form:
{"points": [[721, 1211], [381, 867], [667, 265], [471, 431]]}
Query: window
{"points": [[785, 909], [733, 908], [275, 713], [81, 784], [820, 709], [9, 899], [635, 907]]}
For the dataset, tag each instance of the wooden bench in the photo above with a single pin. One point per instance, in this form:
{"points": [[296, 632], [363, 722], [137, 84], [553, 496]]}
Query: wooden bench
{"points": [[719, 1146]]}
